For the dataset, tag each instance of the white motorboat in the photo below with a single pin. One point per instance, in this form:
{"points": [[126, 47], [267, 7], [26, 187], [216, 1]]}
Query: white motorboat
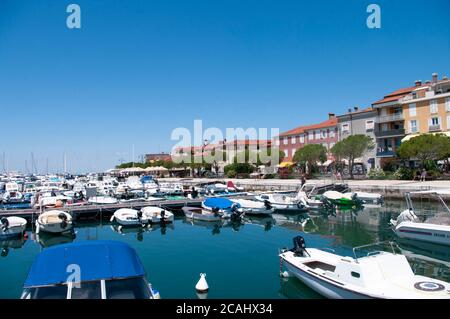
{"points": [[127, 217], [155, 215], [201, 214], [102, 200], [341, 199], [282, 202], [254, 207], [12, 227], [367, 198], [54, 201], [378, 275], [434, 230], [54, 221]]}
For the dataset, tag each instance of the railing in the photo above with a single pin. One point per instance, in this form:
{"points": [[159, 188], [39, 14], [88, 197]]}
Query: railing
{"points": [[371, 245], [385, 153], [436, 127], [389, 118], [400, 131]]}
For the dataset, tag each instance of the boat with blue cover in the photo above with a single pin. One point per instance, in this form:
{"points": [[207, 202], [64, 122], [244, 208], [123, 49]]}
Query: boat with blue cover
{"points": [[100, 269]]}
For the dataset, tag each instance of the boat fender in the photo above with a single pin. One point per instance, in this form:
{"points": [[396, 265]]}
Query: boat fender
{"points": [[202, 285], [5, 223]]}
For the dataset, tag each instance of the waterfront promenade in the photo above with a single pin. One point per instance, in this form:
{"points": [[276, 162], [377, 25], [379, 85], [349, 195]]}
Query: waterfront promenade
{"points": [[389, 188]]}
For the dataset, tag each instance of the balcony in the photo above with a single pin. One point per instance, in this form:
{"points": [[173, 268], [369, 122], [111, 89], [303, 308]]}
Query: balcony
{"points": [[385, 153], [389, 118], [434, 128], [389, 133]]}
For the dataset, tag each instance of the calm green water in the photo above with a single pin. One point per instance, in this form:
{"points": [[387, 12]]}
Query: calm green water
{"points": [[240, 260]]}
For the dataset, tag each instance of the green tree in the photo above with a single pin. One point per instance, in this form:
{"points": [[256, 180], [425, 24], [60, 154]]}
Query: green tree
{"points": [[351, 148], [425, 147], [311, 154]]}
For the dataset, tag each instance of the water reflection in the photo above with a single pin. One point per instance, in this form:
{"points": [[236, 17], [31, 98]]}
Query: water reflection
{"points": [[214, 226], [12, 243], [139, 231], [48, 240], [267, 222]]}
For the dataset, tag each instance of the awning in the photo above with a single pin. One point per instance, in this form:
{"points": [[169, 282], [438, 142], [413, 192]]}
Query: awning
{"points": [[408, 137], [132, 170], [285, 164]]}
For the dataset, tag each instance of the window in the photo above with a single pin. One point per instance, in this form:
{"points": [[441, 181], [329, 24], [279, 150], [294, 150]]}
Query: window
{"points": [[302, 139], [293, 152], [285, 141], [370, 125], [87, 290], [345, 128], [332, 133], [324, 134], [433, 107], [130, 288], [413, 126], [310, 135], [317, 134], [355, 274], [293, 140], [412, 109], [434, 121], [447, 104]]}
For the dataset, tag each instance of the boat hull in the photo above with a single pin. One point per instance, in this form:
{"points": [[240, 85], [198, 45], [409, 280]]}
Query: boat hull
{"points": [[417, 231], [322, 287], [198, 214]]}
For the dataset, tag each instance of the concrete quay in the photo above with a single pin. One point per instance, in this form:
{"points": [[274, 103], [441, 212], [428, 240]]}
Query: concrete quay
{"points": [[393, 189]]}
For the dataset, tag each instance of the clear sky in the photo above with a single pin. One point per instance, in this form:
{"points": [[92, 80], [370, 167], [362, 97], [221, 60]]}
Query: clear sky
{"points": [[138, 69]]}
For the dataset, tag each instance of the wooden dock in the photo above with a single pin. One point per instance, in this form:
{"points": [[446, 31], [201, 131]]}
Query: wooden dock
{"points": [[100, 211]]}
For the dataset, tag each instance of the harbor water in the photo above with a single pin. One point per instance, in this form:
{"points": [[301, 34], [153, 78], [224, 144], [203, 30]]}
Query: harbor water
{"points": [[240, 260]]}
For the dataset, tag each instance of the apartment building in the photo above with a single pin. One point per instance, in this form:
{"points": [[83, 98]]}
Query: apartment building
{"points": [[427, 108], [355, 122], [422, 108], [325, 133]]}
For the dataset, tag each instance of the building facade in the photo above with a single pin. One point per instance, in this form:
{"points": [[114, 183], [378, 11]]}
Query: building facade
{"points": [[325, 133], [362, 122], [422, 108]]}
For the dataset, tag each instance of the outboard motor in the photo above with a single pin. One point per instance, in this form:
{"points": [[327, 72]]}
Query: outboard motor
{"points": [[235, 213], [163, 214], [139, 214], [267, 204], [63, 218], [299, 246], [215, 211], [5, 223]]}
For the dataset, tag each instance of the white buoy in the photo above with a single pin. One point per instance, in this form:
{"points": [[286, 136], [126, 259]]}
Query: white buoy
{"points": [[202, 285], [285, 274]]}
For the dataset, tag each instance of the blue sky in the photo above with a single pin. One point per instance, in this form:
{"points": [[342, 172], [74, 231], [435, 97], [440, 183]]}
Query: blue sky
{"points": [[138, 69]]}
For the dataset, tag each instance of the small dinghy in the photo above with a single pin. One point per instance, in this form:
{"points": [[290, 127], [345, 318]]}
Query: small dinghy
{"points": [[12, 227], [368, 198], [378, 275], [156, 215], [252, 207], [283, 202], [102, 200], [341, 199], [54, 221], [94, 269], [196, 213], [127, 217]]}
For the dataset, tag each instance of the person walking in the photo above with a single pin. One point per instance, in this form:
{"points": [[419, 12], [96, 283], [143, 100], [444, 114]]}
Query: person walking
{"points": [[423, 176]]}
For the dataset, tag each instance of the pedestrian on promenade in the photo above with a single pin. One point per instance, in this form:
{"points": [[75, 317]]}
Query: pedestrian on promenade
{"points": [[424, 175], [303, 180], [417, 176]]}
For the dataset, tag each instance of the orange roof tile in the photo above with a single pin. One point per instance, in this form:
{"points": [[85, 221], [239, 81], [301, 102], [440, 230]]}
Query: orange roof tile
{"points": [[396, 95], [302, 129]]}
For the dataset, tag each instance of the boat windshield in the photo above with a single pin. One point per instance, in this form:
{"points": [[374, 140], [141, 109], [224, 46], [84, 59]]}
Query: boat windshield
{"points": [[130, 288]]}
